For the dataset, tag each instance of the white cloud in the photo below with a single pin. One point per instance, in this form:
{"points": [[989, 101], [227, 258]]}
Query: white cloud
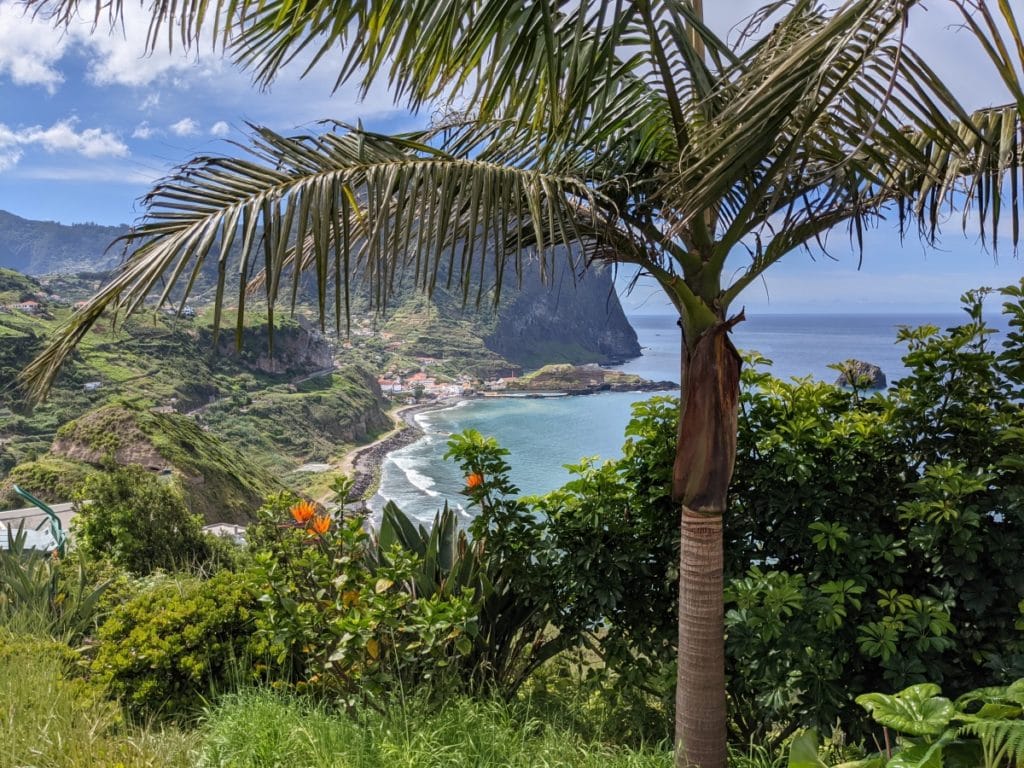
{"points": [[9, 158], [62, 136], [120, 173], [185, 127], [26, 56], [152, 101], [143, 131], [120, 58], [31, 51], [220, 128]]}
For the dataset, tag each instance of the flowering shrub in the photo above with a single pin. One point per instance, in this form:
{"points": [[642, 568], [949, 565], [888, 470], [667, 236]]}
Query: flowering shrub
{"points": [[345, 621], [517, 572]]}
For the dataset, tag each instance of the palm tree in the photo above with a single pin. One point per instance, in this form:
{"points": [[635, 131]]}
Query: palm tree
{"points": [[605, 131]]}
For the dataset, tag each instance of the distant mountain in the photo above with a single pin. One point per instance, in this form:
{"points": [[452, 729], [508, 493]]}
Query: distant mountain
{"points": [[47, 247], [567, 319]]}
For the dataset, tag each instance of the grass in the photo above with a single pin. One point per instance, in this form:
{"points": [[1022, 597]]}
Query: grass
{"points": [[260, 729], [51, 719]]}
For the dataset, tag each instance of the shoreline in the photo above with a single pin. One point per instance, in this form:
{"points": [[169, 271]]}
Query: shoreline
{"points": [[364, 463]]}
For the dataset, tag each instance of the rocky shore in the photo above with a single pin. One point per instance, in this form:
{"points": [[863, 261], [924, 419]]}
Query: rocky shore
{"points": [[366, 462]]}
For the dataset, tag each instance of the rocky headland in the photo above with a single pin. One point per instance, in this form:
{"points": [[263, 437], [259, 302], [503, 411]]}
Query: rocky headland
{"points": [[583, 380]]}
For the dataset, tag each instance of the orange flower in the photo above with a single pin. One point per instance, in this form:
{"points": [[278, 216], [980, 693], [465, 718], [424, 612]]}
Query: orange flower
{"points": [[302, 512], [475, 480], [320, 524]]}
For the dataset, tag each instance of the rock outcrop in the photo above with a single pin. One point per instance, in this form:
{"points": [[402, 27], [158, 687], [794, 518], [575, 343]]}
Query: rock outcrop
{"points": [[861, 374], [297, 350], [569, 319], [584, 380], [207, 468]]}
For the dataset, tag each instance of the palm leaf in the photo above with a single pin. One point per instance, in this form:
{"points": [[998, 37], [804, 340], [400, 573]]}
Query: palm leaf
{"points": [[348, 195]]}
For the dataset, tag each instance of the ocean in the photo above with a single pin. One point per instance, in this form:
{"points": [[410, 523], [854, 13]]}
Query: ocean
{"points": [[543, 435]]}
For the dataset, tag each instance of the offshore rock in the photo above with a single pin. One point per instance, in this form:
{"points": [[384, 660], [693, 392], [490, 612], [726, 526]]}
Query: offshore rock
{"points": [[862, 374]]}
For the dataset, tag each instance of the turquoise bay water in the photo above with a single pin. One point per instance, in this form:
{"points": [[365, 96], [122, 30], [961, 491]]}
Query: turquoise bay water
{"points": [[545, 434]]}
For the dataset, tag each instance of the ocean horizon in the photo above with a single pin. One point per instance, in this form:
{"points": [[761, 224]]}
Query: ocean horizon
{"points": [[543, 435]]}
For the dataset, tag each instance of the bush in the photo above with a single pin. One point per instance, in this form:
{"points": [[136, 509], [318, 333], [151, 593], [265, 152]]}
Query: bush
{"points": [[178, 642], [49, 478], [345, 621], [138, 522], [871, 542]]}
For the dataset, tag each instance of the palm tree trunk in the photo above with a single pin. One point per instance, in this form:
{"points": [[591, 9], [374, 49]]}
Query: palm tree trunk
{"points": [[705, 454]]}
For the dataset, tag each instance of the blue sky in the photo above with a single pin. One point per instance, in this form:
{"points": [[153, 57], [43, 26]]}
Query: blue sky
{"points": [[88, 122]]}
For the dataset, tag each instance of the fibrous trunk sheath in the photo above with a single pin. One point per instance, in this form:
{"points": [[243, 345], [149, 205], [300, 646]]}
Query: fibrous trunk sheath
{"points": [[705, 456]]}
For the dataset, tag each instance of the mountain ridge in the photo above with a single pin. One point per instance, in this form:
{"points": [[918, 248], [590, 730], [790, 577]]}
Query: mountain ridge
{"points": [[570, 318]]}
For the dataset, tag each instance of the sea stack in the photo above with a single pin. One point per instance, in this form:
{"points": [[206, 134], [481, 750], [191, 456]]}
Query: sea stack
{"points": [[861, 374]]}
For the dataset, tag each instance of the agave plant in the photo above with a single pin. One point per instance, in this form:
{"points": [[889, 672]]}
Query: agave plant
{"points": [[513, 635], [36, 590]]}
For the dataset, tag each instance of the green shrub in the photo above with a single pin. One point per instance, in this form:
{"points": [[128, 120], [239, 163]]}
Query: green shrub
{"points": [[49, 478], [871, 542], [344, 620], [179, 641], [138, 522]]}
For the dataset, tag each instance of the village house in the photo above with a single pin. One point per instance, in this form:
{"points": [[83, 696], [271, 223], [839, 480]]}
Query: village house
{"points": [[390, 386], [30, 306]]}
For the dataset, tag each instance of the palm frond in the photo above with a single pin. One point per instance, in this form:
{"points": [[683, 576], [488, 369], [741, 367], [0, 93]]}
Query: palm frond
{"points": [[357, 203], [830, 118]]}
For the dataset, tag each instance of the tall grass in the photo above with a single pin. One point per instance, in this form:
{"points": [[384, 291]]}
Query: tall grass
{"points": [[51, 719], [260, 729]]}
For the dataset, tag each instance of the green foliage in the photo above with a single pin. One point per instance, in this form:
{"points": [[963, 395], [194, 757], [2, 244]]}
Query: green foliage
{"points": [[516, 569], [614, 525], [50, 478], [138, 522], [982, 729], [281, 427], [178, 642], [53, 718], [508, 637], [261, 729], [870, 542], [873, 542], [40, 593], [342, 615]]}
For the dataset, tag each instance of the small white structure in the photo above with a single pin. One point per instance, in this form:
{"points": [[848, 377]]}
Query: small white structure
{"points": [[235, 533]]}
